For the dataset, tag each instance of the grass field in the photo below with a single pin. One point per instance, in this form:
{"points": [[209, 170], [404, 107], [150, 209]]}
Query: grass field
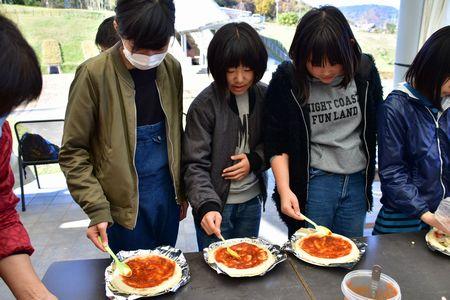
{"points": [[380, 45], [73, 26], [68, 26]]}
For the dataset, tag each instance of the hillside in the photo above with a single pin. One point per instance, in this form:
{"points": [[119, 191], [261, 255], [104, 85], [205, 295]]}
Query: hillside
{"points": [[380, 45], [70, 27], [378, 15]]}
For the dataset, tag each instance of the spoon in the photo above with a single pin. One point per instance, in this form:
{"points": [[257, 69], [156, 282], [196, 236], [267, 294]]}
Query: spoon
{"points": [[229, 250], [374, 282], [321, 229], [122, 267]]}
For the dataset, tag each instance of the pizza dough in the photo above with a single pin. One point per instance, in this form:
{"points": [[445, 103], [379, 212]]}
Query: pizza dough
{"points": [[440, 242], [255, 259], [152, 275], [344, 249]]}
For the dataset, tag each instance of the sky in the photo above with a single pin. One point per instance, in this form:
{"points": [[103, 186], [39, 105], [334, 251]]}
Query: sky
{"points": [[393, 3]]}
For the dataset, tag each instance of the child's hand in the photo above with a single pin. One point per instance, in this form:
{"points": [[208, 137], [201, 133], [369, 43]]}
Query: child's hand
{"points": [[94, 231], [237, 171], [211, 223], [289, 205], [431, 220]]}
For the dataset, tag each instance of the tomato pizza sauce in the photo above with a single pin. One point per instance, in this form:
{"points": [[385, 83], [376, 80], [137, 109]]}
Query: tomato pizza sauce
{"points": [[325, 246], [149, 271], [250, 256], [387, 292]]}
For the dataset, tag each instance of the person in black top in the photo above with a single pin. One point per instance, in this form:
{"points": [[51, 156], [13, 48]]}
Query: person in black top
{"points": [[148, 106], [106, 36]]}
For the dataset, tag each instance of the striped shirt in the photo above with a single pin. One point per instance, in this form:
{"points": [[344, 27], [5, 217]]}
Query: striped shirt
{"points": [[390, 221]]}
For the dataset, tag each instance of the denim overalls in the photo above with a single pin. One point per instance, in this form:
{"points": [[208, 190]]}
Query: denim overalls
{"points": [[159, 214]]}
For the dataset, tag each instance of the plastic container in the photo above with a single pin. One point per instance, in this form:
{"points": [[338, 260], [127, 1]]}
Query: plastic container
{"points": [[356, 286], [443, 212]]}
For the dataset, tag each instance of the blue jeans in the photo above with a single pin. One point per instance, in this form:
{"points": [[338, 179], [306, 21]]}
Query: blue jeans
{"points": [[158, 216], [238, 221], [337, 201]]}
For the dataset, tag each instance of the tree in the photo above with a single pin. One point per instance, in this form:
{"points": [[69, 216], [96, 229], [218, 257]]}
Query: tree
{"points": [[288, 6], [288, 18], [391, 28], [265, 7], [247, 5], [226, 3]]}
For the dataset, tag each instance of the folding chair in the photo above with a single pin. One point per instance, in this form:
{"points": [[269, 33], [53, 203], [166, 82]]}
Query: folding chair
{"points": [[51, 130]]}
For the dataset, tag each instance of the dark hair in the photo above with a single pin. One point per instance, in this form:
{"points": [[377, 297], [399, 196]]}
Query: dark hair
{"points": [[20, 74], [148, 23], [106, 36], [236, 44], [431, 66], [323, 34]]}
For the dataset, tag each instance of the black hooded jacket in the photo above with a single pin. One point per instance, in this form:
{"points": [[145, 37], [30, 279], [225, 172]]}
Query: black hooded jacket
{"points": [[287, 129]]}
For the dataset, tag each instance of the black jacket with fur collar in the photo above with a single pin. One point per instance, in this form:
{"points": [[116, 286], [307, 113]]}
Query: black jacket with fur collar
{"points": [[287, 129]]}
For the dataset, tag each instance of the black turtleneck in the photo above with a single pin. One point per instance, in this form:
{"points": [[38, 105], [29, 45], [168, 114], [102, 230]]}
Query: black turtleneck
{"points": [[148, 105]]}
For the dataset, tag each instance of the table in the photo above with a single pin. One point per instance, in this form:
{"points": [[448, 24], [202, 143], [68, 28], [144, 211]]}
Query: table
{"points": [[421, 274], [84, 279]]}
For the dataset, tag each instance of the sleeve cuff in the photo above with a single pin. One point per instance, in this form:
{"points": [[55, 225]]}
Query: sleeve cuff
{"points": [[255, 161], [206, 208], [422, 212], [99, 213]]}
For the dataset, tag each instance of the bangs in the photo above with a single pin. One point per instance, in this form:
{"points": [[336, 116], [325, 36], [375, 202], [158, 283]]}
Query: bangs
{"points": [[150, 36], [323, 35], [149, 24], [236, 44], [325, 45], [238, 52]]}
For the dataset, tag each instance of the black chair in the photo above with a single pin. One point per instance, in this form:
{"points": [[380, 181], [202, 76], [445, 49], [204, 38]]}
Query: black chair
{"points": [[51, 130]]}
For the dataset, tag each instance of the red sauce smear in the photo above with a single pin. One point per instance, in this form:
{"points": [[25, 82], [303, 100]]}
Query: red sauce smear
{"points": [[363, 290], [439, 235], [149, 271], [251, 256], [326, 246]]}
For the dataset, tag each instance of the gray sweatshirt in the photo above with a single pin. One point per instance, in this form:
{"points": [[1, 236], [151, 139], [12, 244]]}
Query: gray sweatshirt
{"points": [[247, 188], [335, 115]]}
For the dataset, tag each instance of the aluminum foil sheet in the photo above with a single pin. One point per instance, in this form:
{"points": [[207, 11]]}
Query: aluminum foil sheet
{"points": [[433, 248], [276, 251], [302, 232], [167, 251]]}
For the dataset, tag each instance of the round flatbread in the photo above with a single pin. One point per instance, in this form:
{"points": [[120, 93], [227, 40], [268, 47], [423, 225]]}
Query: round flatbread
{"points": [[438, 241], [326, 250], [255, 259], [152, 275]]}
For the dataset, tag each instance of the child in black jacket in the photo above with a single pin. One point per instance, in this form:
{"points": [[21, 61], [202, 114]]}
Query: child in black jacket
{"points": [[320, 132]]}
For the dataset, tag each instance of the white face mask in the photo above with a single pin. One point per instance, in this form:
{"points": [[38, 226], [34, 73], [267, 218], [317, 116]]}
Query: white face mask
{"points": [[144, 62]]}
